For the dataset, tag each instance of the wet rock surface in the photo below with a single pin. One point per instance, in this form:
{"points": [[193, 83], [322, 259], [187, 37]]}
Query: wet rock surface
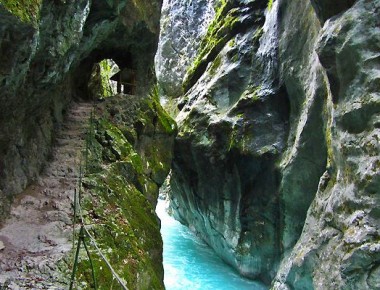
{"points": [[232, 131], [305, 158], [182, 27], [339, 245], [276, 160]]}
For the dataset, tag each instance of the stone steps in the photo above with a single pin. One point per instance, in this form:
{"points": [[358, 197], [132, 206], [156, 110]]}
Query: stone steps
{"points": [[39, 230]]}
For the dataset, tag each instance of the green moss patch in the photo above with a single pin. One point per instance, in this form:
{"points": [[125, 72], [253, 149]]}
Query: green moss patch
{"points": [[26, 10], [218, 34], [270, 5], [164, 121], [119, 193], [230, 19], [215, 65], [106, 72], [126, 231], [100, 84]]}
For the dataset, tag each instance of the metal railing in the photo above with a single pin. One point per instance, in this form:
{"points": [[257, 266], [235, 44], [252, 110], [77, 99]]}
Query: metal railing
{"points": [[78, 219]]}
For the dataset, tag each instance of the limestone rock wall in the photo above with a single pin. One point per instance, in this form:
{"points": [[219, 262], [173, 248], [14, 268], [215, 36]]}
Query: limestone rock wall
{"points": [[47, 62], [182, 27], [276, 159], [130, 149], [232, 130], [339, 245], [305, 157]]}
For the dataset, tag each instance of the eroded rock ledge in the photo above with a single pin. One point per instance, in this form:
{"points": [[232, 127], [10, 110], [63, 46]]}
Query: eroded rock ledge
{"points": [[130, 152]]}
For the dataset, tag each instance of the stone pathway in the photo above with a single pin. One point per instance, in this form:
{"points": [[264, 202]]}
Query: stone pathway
{"points": [[38, 233]]}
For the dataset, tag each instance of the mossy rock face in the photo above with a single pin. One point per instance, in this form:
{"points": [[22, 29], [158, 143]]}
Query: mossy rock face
{"points": [[231, 17], [47, 51], [232, 131], [125, 228], [176, 53], [121, 189], [100, 85], [27, 10]]}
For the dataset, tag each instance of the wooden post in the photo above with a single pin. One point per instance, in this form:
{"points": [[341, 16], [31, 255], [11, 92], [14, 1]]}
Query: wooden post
{"points": [[118, 87]]}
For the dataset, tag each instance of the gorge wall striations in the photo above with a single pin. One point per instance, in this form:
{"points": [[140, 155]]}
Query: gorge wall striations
{"points": [[276, 163]]}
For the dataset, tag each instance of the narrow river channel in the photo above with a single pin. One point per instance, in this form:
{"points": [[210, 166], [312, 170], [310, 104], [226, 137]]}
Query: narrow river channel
{"points": [[190, 264]]}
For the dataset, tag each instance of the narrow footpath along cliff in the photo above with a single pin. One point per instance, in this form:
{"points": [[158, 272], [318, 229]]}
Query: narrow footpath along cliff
{"points": [[48, 49], [49, 187], [276, 163], [39, 232]]}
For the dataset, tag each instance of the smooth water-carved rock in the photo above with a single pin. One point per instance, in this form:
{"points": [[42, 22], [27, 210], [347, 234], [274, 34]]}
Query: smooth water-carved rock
{"points": [[304, 160], [276, 160], [232, 131], [182, 27], [339, 245]]}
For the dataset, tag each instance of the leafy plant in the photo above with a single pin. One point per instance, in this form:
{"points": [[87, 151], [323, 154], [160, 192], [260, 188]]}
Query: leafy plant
{"points": [[270, 5], [26, 10]]}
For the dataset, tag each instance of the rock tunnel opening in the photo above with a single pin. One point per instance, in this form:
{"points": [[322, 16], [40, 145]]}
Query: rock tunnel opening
{"points": [[49, 58], [45, 81], [103, 64]]}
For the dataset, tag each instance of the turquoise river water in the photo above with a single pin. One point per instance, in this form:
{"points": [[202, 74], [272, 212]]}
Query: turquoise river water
{"points": [[190, 264]]}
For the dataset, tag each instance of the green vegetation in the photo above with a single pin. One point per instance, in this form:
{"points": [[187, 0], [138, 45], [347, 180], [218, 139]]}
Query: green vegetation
{"points": [[218, 34], [165, 122], [241, 135], [106, 72], [125, 228], [117, 213], [251, 93], [100, 84], [215, 65], [229, 20], [270, 5], [119, 191], [256, 37], [232, 42], [240, 138], [26, 10]]}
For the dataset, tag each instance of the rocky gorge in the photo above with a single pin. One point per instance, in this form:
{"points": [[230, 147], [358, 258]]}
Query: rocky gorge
{"points": [[275, 163], [62, 188]]}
